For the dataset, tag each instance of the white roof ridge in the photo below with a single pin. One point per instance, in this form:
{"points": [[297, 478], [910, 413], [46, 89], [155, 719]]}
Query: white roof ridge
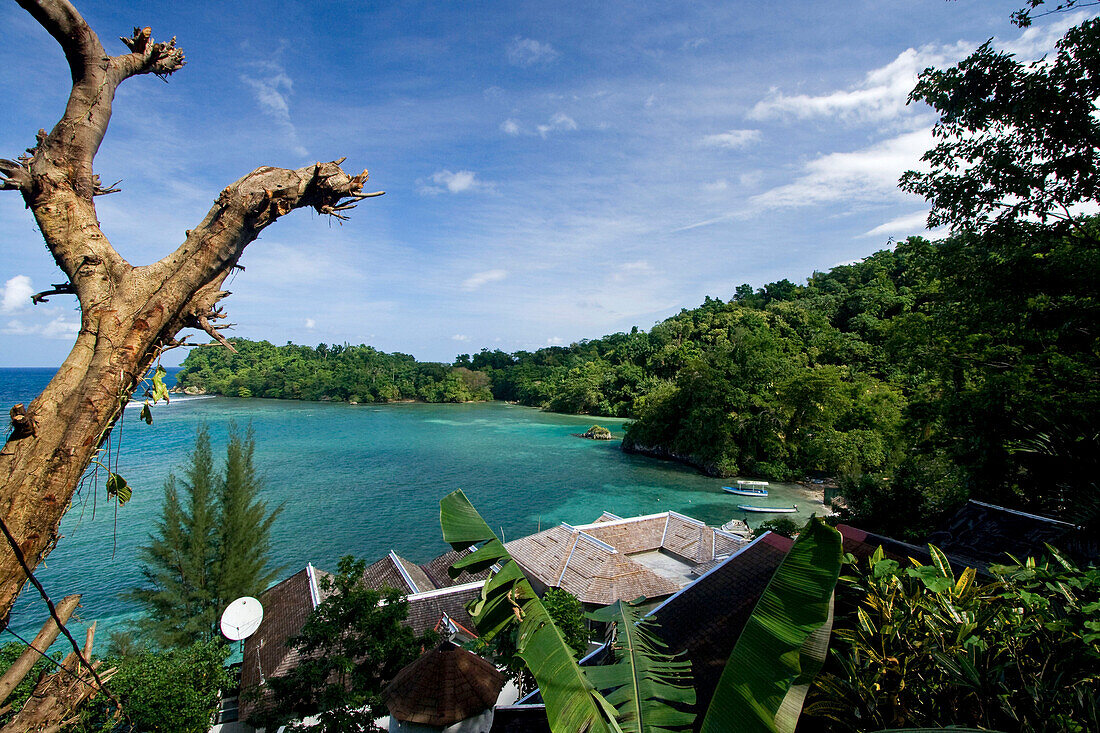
{"points": [[444, 591], [598, 542], [314, 591], [1049, 520], [686, 518], [597, 525], [404, 573]]}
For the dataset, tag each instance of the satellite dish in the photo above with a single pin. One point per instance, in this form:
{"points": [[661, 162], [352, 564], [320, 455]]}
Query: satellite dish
{"points": [[241, 618]]}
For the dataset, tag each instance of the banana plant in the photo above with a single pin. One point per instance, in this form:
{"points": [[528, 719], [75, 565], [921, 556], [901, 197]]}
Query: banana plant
{"points": [[764, 683], [508, 601], [783, 645], [647, 684]]}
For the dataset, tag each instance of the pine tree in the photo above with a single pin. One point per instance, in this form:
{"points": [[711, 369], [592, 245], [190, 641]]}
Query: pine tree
{"points": [[176, 562], [244, 539], [208, 548]]}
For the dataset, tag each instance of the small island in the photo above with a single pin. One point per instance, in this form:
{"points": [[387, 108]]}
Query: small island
{"points": [[596, 432]]}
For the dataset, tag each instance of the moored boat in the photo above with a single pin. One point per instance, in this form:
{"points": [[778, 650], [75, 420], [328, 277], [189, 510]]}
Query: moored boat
{"points": [[768, 509], [748, 488]]}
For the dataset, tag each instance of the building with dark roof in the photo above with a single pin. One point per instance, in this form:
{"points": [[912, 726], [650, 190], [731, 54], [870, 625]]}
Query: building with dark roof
{"points": [[287, 605], [436, 602], [983, 534]]}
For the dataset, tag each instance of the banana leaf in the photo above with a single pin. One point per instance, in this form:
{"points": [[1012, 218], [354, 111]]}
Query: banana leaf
{"points": [[783, 645], [646, 682], [507, 601]]}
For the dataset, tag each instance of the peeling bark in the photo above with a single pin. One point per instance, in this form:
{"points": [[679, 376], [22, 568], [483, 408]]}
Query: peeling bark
{"points": [[129, 314]]}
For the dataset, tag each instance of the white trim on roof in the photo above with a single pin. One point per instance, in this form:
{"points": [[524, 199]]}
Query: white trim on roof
{"points": [[668, 520], [655, 609], [314, 591], [686, 518], [1022, 514], [404, 573], [598, 542], [444, 591], [596, 525], [576, 539], [661, 605]]}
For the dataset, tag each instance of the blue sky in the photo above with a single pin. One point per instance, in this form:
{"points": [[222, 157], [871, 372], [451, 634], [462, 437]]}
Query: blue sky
{"points": [[554, 171]]}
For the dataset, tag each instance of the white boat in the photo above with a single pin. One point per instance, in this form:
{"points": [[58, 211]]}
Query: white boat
{"points": [[748, 488], [768, 509]]}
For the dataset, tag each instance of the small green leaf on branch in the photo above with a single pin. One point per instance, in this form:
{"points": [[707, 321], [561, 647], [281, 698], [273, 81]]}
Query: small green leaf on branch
{"points": [[117, 486]]}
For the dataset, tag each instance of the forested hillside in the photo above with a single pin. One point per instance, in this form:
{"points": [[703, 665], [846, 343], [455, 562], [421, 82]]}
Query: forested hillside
{"points": [[347, 373], [919, 376]]}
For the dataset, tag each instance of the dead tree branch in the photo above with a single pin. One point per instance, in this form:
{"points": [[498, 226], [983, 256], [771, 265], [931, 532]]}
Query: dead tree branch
{"points": [[129, 314]]}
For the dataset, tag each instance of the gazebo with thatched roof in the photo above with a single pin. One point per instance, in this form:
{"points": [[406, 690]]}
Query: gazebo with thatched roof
{"points": [[447, 689]]}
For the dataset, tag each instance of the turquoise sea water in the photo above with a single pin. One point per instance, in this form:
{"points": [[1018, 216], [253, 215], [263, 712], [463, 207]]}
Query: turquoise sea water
{"points": [[364, 479]]}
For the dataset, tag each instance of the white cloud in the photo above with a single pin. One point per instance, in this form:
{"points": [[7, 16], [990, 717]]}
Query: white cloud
{"points": [[528, 52], [720, 185], [455, 182], [311, 324], [1039, 40], [16, 294], [883, 92], [460, 337], [903, 225], [479, 279], [871, 173], [559, 121], [272, 86], [632, 271], [61, 327], [555, 341], [733, 139], [510, 127]]}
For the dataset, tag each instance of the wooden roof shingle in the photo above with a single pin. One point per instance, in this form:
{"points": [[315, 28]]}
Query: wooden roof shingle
{"points": [[593, 561], [444, 686], [436, 570]]}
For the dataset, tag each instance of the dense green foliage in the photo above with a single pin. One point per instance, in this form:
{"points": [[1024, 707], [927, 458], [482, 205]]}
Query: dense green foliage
{"points": [[351, 645], [209, 547], [8, 654], [922, 647], [345, 373], [650, 685], [174, 691], [567, 614]]}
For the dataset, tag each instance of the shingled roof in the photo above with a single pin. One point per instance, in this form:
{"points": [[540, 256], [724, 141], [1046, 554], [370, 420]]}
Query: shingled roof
{"points": [[442, 687], [428, 608], [436, 569], [266, 654], [983, 534], [594, 561], [704, 620], [288, 603]]}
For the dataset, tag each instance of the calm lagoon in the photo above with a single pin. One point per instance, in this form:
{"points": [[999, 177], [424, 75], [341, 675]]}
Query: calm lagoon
{"points": [[361, 480]]}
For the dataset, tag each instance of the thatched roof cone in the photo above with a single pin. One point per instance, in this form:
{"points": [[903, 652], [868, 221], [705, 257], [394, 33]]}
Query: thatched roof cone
{"points": [[443, 686]]}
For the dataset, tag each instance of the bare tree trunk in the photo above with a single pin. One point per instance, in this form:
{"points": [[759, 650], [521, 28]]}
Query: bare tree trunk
{"points": [[128, 314], [26, 661], [57, 697]]}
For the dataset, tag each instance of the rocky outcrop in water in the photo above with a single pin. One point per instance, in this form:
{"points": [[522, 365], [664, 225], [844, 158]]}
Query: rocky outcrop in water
{"points": [[597, 432], [659, 451]]}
